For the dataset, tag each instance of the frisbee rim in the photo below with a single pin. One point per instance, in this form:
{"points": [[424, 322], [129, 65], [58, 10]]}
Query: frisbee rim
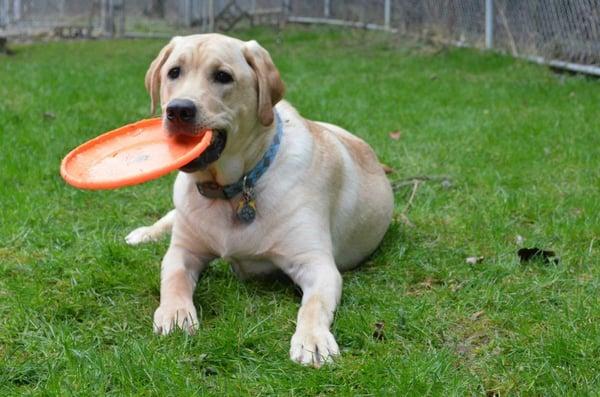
{"points": [[83, 183]]}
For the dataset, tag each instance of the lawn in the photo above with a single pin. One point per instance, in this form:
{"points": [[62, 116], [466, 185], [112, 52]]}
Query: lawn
{"points": [[520, 146]]}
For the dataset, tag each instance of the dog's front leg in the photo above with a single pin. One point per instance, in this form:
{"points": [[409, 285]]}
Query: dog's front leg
{"points": [[179, 274], [153, 232], [321, 283]]}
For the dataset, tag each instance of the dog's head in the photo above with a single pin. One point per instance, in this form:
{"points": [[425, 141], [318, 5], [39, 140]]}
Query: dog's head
{"points": [[211, 81]]}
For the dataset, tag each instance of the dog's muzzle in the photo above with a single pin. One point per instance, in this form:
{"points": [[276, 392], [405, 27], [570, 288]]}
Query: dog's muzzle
{"points": [[180, 118], [210, 155]]}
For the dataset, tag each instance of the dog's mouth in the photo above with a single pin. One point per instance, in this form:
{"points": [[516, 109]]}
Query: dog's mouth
{"points": [[210, 155]]}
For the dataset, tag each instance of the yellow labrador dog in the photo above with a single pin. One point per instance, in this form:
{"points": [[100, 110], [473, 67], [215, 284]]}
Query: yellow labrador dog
{"points": [[274, 191]]}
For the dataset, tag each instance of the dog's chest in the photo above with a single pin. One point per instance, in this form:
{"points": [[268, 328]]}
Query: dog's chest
{"points": [[225, 235]]}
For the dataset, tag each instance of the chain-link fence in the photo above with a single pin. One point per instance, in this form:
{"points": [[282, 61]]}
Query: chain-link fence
{"points": [[566, 32], [562, 32]]}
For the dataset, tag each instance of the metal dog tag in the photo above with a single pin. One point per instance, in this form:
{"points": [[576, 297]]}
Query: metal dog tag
{"points": [[246, 208]]}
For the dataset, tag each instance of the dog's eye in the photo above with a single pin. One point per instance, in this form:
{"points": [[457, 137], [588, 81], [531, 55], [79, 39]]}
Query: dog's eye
{"points": [[174, 72], [223, 77]]}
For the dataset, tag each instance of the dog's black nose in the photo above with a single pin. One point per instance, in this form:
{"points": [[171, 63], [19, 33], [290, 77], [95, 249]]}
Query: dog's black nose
{"points": [[182, 111]]}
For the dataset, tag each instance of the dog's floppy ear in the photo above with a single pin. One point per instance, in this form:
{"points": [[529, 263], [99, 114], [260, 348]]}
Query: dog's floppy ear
{"points": [[270, 85], [152, 80]]}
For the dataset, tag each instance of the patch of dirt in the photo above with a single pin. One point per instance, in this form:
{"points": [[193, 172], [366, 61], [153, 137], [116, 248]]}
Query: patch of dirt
{"points": [[424, 286], [472, 336]]}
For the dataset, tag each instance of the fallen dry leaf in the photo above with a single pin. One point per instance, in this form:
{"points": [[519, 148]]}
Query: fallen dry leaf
{"points": [[473, 260], [387, 169], [530, 254], [429, 282], [446, 183], [49, 115], [378, 333], [475, 316], [457, 287], [395, 135]]}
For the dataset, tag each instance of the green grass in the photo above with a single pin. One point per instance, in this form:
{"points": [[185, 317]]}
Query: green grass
{"points": [[520, 143]]}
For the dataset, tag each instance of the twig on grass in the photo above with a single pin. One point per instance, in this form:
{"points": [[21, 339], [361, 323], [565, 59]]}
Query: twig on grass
{"points": [[403, 218], [400, 183], [415, 182]]}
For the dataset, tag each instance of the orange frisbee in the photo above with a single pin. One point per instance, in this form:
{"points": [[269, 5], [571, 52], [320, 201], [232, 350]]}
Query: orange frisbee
{"points": [[130, 155]]}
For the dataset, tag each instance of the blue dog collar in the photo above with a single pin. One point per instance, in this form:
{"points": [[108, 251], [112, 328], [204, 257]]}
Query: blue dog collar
{"points": [[215, 191]]}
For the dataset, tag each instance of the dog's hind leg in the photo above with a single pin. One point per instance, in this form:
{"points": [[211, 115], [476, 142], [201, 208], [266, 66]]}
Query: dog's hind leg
{"points": [[147, 234]]}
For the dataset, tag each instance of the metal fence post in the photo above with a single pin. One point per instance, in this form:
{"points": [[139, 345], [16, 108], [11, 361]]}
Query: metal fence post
{"points": [[387, 11], [4, 15], [185, 13], [106, 15], [204, 16], [285, 8], [489, 24], [16, 10], [326, 8], [211, 16]]}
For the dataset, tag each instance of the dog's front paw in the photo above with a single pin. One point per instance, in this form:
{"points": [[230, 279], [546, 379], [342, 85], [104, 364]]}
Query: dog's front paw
{"points": [[141, 235], [167, 317], [313, 347]]}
